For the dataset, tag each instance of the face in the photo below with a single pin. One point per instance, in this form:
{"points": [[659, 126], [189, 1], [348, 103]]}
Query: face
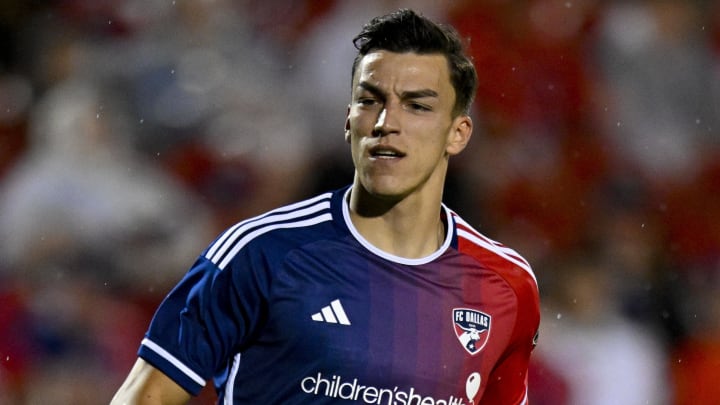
{"points": [[400, 124]]}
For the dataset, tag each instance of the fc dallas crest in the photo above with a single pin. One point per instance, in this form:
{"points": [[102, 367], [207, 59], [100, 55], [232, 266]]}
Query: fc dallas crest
{"points": [[472, 328]]}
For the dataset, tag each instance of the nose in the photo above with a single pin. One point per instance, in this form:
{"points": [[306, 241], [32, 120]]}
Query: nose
{"points": [[384, 124], [380, 123]]}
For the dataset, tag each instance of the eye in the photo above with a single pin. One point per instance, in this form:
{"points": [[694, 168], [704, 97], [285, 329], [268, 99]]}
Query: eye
{"points": [[418, 107], [368, 102]]}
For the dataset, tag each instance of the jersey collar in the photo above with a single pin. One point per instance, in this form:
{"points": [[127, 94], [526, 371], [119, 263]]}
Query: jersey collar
{"points": [[449, 230]]}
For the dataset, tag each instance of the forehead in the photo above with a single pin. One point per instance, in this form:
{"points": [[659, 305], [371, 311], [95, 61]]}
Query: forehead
{"points": [[404, 71]]}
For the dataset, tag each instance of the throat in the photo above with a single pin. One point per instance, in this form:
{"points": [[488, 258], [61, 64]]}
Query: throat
{"points": [[416, 244], [411, 228], [410, 240]]}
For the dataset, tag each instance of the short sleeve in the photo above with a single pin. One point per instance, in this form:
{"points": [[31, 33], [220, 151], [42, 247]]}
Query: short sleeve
{"points": [[204, 321]]}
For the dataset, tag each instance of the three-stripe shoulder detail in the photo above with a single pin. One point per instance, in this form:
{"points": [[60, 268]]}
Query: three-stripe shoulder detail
{"points": [[301, 214], [464, 230]]}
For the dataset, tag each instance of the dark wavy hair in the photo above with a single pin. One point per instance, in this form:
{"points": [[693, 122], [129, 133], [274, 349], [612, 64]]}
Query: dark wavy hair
{"points": [[406, 31]]}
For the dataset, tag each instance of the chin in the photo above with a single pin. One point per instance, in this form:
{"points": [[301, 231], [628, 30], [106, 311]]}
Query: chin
{"points": [[385, 190]]}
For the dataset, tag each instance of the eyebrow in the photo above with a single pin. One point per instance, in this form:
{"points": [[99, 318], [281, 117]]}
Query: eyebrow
{"points": [[410, 94]]}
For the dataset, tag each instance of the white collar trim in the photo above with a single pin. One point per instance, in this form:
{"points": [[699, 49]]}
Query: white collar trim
{"points": [[391, 257]]}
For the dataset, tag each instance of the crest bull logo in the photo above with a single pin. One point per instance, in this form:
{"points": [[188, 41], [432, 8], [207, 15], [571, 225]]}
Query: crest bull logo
{"points": [[472, 328]]}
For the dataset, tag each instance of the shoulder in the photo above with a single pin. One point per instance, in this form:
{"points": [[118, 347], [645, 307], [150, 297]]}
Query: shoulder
{"points": [[296, 222], [499, 259], [484, 249], [513, 269]]}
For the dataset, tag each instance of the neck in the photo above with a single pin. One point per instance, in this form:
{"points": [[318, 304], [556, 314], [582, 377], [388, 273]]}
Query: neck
{"points": [[411, 227]]}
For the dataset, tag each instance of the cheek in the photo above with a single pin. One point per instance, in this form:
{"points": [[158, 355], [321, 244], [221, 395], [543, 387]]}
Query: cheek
{"points": [[434, 141], [355, 149]]}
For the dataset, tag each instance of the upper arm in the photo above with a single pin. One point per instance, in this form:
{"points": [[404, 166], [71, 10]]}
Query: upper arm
{"points": [[146, 385], [508, 382]]}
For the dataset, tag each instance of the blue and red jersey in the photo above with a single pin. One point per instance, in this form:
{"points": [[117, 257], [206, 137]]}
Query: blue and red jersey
{"points": [[295, 306]]}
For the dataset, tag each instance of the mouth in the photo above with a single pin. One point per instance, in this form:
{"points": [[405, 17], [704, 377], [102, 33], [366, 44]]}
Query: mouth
{"points": [[385, 152]]}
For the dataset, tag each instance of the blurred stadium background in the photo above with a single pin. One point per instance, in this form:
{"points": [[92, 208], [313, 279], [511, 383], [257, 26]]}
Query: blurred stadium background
{"points": [[133, 131]]}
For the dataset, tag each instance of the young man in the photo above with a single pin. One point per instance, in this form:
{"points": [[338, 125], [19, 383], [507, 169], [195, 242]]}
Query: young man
{"points": [[373, 294]]}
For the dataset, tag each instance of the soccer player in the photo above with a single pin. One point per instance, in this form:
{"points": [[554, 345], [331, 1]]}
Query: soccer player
{"points": [[373, 294]]}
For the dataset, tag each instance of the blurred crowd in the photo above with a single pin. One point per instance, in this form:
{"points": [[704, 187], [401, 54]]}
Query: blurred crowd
{"points": [[133, 131]]}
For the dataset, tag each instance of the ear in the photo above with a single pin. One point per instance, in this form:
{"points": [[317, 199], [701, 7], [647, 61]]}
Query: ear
{"points": [[459, 135], [347, 125]]}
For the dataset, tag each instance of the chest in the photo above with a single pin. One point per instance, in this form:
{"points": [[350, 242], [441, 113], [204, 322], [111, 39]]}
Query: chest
{"points": [[345, 313]]}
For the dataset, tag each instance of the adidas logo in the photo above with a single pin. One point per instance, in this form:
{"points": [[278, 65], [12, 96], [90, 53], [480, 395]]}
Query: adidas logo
{"points": [[333, 313]]}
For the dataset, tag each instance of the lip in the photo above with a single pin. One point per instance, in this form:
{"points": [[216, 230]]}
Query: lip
{"points": [[385, 152]]}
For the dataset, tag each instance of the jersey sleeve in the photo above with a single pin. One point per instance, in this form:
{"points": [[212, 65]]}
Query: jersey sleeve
{"points": [[508, 382], [205, 320]]}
